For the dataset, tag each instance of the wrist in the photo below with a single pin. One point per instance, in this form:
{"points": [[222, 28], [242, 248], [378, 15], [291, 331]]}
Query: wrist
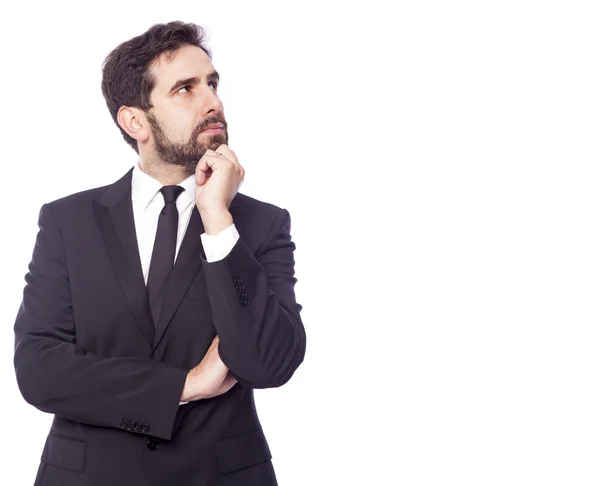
{"points": [[215, 221], [192, 387]]}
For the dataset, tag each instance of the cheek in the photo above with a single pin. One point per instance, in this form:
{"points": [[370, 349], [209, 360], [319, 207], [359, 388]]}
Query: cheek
{"points": [[179, 127], [176, 119]]}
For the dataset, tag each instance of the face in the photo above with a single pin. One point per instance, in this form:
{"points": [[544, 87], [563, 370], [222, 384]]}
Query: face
{"points": [[185, 106]]}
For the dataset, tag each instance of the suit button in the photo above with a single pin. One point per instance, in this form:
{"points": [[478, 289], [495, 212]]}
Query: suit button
{"points": [[245, 302], [138, 427], [152, 444], [146, 427]]}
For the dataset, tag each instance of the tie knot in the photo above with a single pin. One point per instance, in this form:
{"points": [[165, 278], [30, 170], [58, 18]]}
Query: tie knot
{"points": [[170, 193]]}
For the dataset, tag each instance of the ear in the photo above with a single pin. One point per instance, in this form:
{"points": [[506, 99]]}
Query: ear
{"points": [[133, 121]]}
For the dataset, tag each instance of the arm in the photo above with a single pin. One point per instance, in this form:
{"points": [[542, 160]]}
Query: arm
{"points": [[58, 376], [262, 338]]}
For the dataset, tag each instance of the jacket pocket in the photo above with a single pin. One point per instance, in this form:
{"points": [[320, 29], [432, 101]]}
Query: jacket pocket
{"points": [[242, 451], [64, 453]]}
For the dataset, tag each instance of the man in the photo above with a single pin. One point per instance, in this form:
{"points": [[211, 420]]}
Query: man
{"points": [[155, 305]]}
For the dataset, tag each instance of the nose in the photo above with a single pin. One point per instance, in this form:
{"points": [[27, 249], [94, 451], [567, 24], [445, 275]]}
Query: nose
{"points": [[211, 104]]}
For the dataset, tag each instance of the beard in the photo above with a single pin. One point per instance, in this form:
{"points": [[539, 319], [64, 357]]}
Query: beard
{"points": [[186, 154]]}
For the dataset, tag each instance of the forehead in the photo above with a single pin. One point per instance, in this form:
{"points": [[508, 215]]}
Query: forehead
{"points": [[186, 62]]}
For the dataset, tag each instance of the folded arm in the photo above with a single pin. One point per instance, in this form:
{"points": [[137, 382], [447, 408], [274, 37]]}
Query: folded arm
{"points": [[262, 338], [58, 376]]}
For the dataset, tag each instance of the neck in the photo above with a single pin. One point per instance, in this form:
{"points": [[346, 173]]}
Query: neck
{"points": [[166, 174]]}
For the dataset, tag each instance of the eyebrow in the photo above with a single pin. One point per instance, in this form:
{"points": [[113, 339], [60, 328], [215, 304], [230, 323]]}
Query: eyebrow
{"points": [[213, 76]]}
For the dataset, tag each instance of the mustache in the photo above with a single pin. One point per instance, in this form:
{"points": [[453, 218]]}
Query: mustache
{"points": [[206, 123]]}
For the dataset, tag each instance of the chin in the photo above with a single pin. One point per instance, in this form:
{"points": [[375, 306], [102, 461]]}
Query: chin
{"points": [[216, 141]]}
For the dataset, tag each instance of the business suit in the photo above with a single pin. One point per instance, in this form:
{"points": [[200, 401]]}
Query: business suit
{"points": [[86, 348]]}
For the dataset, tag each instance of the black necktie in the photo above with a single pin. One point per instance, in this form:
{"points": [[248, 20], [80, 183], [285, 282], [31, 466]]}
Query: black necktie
{"points": [[163, 253]]}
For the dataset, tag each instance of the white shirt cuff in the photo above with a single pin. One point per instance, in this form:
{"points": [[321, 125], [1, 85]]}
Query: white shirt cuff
{"points": [[218, 246]]}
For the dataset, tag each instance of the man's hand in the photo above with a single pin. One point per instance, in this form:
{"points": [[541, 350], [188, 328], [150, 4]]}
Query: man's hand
{"points": [[210, 378], [219, 176]]}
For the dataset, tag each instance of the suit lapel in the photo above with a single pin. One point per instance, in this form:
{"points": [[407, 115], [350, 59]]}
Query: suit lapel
{"points": [[186, 267], [114, 213]]}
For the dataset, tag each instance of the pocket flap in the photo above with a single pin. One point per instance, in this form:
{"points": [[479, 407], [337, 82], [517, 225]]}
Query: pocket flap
{"points": [[242, 451], [64, 453]]}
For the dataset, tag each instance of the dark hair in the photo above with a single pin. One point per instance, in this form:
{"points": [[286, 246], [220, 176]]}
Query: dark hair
{"points": [[126, 76]]}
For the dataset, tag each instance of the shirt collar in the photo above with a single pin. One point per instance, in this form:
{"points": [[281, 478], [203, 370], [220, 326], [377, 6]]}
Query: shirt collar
{"points": [[189, 184], [144, 187]]}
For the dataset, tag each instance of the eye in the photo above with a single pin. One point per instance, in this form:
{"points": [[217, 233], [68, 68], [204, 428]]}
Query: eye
{"points": [[186, 87], [214, 84]]}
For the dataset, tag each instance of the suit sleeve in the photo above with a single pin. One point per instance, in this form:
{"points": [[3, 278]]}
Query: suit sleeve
{"points": [[261, 336], [217, 247], [56, 375]]}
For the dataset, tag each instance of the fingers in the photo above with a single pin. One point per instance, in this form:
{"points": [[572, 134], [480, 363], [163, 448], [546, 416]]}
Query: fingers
{"points": [[205, 164], [201, 170], [227, 152], [228, 384], [223, 152], [209, 159], [213, 350], [212, 157]]}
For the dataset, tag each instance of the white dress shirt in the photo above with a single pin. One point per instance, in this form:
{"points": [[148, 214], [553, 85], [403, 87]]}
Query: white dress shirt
{"points": [[148, 201]]}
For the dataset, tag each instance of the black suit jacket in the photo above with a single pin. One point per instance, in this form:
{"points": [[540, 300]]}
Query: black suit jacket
{"points": [[86, 349]]}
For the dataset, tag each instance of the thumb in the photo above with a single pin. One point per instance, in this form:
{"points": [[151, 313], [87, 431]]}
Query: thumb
{"points": [[228, 383]]}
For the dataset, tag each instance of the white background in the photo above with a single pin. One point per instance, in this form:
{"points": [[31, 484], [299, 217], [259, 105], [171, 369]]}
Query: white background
{"points": [[440, 164]]}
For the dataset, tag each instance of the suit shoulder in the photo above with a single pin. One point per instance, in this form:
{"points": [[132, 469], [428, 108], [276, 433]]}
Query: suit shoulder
{"points": [[77, 198], [254, 205], [256, 217]]}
